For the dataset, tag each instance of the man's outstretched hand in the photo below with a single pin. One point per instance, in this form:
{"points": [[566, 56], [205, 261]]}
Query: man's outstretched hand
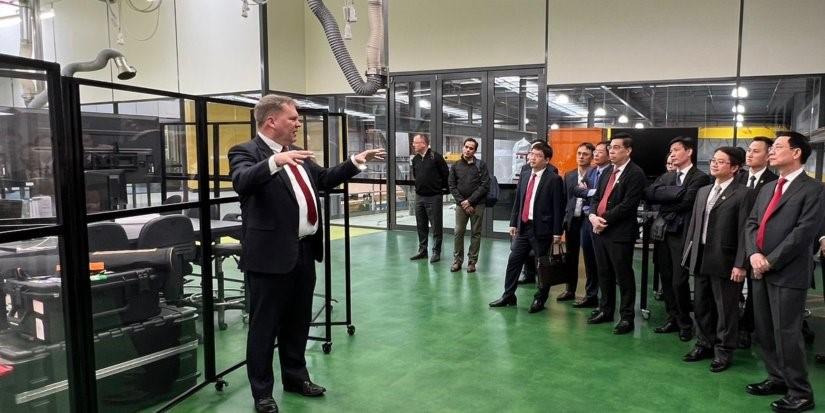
{"points": [[371, 154]]}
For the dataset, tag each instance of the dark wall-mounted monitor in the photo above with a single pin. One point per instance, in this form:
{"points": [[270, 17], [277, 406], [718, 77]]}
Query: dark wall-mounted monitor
{"points": [[651, 146]]}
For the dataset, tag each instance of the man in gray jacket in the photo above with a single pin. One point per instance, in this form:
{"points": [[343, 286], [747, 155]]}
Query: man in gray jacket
{"points": [[469, 182]]}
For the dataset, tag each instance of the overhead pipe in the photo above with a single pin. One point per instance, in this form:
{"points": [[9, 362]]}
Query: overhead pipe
{"points": [[125, 71], [376, 67]]}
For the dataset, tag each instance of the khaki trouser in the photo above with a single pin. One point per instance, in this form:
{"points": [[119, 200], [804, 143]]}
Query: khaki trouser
{"points": [[476, 221]]}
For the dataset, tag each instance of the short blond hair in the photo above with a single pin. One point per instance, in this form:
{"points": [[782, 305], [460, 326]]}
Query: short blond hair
{"points": [[271, 104]]}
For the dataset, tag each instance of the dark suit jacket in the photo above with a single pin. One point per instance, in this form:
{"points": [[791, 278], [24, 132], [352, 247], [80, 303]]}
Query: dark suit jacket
{"points": [[622, 204], [548, 206], [269, 208], [571, 181], [726, 223], [790, 232], [766, 177], [676, 201]]}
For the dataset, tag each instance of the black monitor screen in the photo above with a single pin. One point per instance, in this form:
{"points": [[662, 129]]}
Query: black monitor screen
{"points": [[651, 146]]}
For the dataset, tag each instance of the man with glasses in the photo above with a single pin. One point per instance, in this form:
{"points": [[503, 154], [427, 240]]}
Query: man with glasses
{"points": [[613, 216], [674, 194], [574, 216], [716, 260], [430, 172], [756, 177], [779, 234]]}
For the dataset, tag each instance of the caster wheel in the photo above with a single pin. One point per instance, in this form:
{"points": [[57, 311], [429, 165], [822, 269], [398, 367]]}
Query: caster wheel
{"points": [[222, 326], [220, 384], [245, 318], [351, 330], [327, 347], [646, 314]]}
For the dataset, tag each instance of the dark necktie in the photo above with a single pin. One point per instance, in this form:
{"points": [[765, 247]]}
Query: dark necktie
{"points": [[312, 213], [528, 197], [777, 196], [679, 178], [602, 208], [752, 182]]}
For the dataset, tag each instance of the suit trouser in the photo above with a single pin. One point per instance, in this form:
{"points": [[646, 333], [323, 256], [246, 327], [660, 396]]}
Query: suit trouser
{"points": [[520, 248], [675, 280], [428, 212], [476, 223], [590, 268], [778, 313], [572, 245], [280, 307], [615, 263], [716, 307]]}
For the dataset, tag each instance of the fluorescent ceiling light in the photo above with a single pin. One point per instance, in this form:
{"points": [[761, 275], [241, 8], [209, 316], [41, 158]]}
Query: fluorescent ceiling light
{"points": [[639, 125], [424, 104], [740, 117], [600, 111], [562, 99], [740, 108], [623, 119], [739, 92], [554, 126]]}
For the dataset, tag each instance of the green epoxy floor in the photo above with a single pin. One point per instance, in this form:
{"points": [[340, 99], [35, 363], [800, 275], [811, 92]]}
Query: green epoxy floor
{"points": [[426, 341]]}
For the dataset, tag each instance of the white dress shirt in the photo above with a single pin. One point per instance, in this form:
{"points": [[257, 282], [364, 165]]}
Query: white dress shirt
{"points": [[684, 171], [790, 177], [304, 227], [535, 188]]}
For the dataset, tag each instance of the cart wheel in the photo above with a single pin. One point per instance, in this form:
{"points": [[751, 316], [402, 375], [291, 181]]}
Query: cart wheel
{"points": [[327, 347], [222, 326], [220, 384], [646, 314], [245, 318], [351, 330]]}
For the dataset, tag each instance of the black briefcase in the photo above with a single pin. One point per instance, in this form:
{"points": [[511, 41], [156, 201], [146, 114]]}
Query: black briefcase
{"points": [[553, 269]]}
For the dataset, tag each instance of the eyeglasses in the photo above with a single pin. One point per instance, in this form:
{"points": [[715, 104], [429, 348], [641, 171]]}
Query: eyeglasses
{"points": [[719, 162]]}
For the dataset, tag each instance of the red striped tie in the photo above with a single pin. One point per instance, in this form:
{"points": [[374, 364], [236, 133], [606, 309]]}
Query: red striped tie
{"points": [[777, 196], [602, 207], [525, 208], [312, 213]]}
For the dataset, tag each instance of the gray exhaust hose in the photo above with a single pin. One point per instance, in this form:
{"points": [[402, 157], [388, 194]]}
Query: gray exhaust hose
{"points": [[70, 69], [375, 77]]}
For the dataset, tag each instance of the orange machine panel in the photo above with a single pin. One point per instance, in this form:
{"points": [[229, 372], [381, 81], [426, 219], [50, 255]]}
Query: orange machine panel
{"points": [[565, 141]]}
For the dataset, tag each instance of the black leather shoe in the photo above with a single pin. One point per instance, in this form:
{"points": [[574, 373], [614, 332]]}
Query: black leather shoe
{"points": [[586, 303], [436, 257], [504, 302], [669, 326], [698, 353], [820, 358], [719, 365], [536, 307], [599, 318], [766, 387], [744, 339], [686, 334], [420, 255], [305, 388], [792, 404], [595, 311], [566, 296], [266, 405], [456, 267], [623, 327], [527, 280]]}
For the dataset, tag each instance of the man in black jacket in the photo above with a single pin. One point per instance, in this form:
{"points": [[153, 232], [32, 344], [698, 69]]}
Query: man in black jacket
{"points": [[278, 186], [574, 216], [430, 173], [469, 182], [535, 223], [674, 194], [613, 216], [715, 257], [754, 179]]}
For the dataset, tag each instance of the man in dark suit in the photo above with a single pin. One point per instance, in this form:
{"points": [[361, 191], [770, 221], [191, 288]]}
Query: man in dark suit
{"points": [[278, 186], [674, 194], [528, 273], [779, 235], [713, 255], [574, 216], [535, 223], [586, 192], [754, 179], [613, 216]]}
